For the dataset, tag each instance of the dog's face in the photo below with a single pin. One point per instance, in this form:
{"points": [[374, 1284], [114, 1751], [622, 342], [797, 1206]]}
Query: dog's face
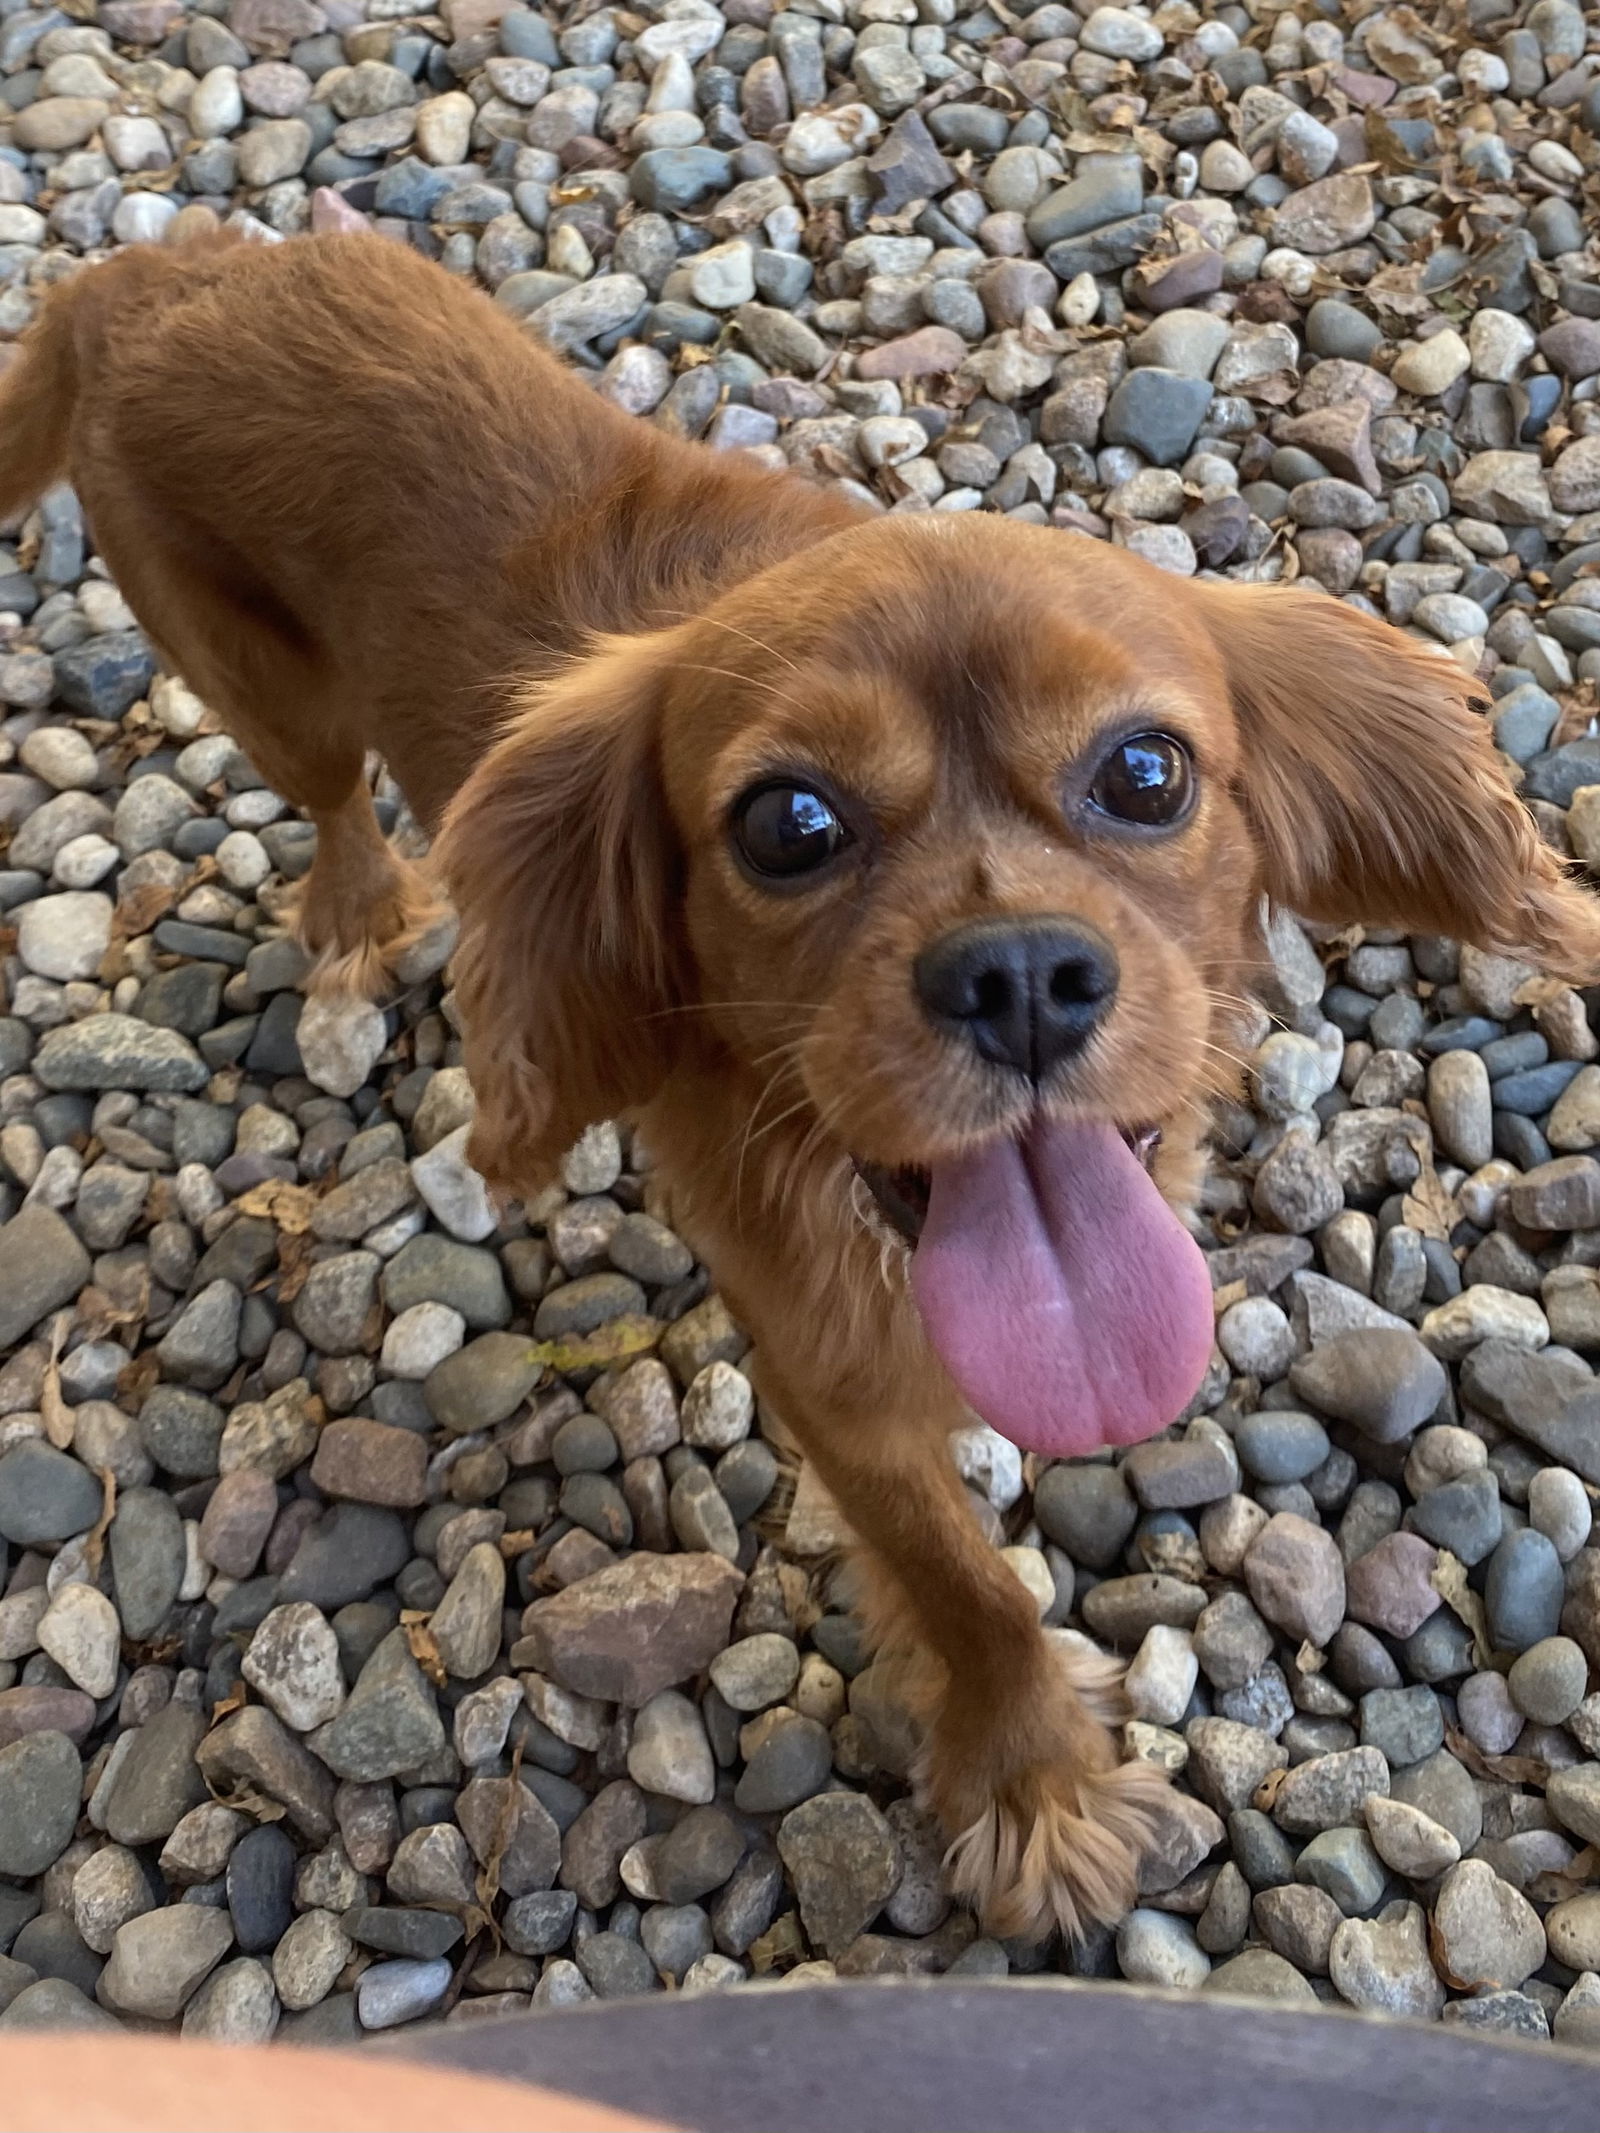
{"points": [[957, 844], [940, 847]]}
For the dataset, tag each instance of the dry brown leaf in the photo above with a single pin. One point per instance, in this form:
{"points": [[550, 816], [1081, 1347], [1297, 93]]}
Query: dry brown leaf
{"points": [[488, 1882], [94, 1546], [619, 1340], [423, 1648], [1429, 1209], [56, 1414], [1266, 1793], [290, 1206], [1228, 1295], [516, 1543], [1573, 1879], [779, 1948], [800, 1598], [249, 1800], [1577, 717], [144, 906], [235, 1700], [1502, 1769], [294, 1263], [1539, 992], [1449, 1581], [137, 1379], [1436, 1951]]}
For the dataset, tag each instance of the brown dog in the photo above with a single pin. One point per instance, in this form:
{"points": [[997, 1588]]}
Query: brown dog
{"points": [[896, 872]]}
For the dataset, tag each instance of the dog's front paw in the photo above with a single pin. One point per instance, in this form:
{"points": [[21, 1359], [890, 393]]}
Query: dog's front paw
{"points": [[1057, 1848], [1047, 1826]]}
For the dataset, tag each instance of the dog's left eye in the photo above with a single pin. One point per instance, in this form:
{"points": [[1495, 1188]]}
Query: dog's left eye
{"points": [[783, 831], [1147, 779]]}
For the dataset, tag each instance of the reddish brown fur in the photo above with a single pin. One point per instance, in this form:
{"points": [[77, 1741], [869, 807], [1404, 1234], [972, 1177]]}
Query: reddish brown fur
{"points": [[358, 509]]}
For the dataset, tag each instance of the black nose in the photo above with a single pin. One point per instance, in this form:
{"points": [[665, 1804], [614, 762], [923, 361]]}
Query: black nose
{"points": [[1027, 991]]}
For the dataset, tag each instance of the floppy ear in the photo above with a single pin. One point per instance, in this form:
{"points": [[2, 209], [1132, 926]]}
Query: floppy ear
{"points": [[559, 854], [1371, 778]]}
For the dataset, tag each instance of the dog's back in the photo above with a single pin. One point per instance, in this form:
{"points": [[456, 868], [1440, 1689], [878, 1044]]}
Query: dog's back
{"points": [[328, 473]]}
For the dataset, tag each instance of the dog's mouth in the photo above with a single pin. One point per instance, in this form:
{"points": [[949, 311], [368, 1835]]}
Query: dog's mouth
{"points": [[1063, 1296], [901, 1195]]}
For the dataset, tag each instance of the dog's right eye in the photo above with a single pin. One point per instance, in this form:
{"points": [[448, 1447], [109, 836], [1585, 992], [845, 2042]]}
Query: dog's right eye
{"points": [[783, 831]]}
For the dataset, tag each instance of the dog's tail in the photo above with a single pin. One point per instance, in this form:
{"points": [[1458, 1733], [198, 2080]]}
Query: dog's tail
{"points": [[37, 397], [59, 352]]}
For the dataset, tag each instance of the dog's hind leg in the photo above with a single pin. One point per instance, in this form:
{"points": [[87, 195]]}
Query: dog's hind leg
{"points": [[245, 652]]}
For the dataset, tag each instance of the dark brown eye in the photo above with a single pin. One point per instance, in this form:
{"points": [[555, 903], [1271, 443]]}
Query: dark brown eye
{"points": [[783, 831], [1148, 780]]}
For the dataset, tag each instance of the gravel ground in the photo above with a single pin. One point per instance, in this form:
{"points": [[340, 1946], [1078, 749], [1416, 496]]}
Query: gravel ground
{"points": [[354, 1665]]}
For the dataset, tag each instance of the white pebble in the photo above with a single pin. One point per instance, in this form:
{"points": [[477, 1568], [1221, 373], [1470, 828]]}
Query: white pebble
{"points": [[83, 861], [340, 1042], [1559, 1508], [216, 106], [1162, 1677], [989, 1463], [1030, 1568], [456, 1195], [420, 1339], [177, 709], [142, 218], [242, 860], [61, 755], [81, 1633], [65, 936]]}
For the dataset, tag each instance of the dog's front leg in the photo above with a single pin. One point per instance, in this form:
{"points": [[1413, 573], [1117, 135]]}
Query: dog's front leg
{"points": [[1019, 1760]]}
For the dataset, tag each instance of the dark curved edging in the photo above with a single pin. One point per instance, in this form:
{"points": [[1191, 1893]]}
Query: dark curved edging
{"points": [[1027, 2057]]}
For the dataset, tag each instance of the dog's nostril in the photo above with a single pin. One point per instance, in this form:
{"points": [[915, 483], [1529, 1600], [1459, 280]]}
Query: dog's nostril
{"points": [[992, 994], [1078, 983]]}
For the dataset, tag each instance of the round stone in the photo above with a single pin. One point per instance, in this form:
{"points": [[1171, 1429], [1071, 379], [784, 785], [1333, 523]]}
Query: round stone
{"points": [[756, 1672], [1548, 1681]]}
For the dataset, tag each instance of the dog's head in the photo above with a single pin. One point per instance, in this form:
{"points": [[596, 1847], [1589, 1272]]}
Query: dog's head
{"points": [[943, 841]]}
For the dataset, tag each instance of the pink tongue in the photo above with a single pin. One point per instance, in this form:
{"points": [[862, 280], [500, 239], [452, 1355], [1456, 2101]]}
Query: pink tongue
{"points": [[1059, 1290]]}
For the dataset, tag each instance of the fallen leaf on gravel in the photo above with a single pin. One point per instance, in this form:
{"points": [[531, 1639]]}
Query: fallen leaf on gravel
{"points": [[296, 1257], [1570, 1880], [419, 1637], [100, 1315], [94, 1545], [1266, 1793], [290, 1206], [618, 1341], [56, 1414], [1449, 1581], [779, 1948], [1506, 1769], [1436, 1952], [488, 1881], [248, 1800], [1427, 1207], [138, 1378], [1539, 992]]}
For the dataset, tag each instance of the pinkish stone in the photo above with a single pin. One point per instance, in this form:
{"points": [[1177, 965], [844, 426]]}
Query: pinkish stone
{"points": [[1389, 1588], [332, 215], [140, 21], [1341, 437], [37, 1708], [927, 353], [238, 1517]]}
